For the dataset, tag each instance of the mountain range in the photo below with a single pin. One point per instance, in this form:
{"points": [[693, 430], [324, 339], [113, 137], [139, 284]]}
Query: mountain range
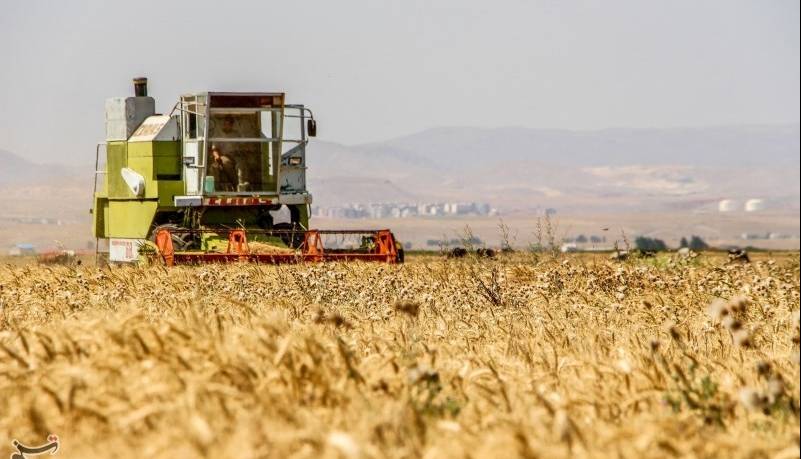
{"points": [[522, 169]]}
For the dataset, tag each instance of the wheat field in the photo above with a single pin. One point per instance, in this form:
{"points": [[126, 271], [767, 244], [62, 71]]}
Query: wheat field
{"points": [[519, 356]]}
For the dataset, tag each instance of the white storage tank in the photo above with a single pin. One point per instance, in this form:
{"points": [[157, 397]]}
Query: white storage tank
{"points": [[754, 205], [727, 205]]}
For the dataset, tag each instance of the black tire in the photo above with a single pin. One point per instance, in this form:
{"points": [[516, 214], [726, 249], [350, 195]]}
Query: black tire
{"points": [[180, 241]]}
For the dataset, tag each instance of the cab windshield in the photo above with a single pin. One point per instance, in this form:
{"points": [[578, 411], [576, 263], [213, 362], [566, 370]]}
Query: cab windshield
{"points": [[243, 150]]}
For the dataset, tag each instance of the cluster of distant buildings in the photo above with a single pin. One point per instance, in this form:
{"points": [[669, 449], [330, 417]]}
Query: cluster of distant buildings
{"points": [[582, 239], [405, 210], [765, 236], [34, 220], [750, 205]]}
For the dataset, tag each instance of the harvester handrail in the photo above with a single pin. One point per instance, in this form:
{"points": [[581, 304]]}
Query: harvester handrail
{"points": [[244, 139], [94, 188], [178, 107]]}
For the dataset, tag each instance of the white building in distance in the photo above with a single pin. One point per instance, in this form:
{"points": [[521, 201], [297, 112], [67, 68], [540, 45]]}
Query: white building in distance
{"points": [[754, 205], [727, 205]]}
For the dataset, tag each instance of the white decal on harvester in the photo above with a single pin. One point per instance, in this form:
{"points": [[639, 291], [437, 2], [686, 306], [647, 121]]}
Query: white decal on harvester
{"points": [[124, 250]]}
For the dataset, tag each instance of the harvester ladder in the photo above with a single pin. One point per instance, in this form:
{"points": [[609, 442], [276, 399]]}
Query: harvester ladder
{"points": [[98, 172]]}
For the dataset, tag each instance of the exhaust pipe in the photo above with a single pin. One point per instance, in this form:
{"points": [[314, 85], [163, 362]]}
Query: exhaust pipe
{"points": [[140, 86]]}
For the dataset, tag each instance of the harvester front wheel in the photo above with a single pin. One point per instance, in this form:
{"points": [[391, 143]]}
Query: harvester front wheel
{"points": [[180, 241]]}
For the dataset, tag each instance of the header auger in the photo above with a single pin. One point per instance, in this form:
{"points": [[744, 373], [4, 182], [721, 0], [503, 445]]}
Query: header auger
{"points": [[221, 178]]}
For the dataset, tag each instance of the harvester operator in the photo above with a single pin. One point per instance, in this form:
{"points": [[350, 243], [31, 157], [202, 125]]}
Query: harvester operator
{"points": [[228, 128], [223, 169]]}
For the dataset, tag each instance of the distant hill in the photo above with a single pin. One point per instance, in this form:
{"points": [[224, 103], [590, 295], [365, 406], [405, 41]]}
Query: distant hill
{"points": [[15, 169], [520, 167], [704, 146]]}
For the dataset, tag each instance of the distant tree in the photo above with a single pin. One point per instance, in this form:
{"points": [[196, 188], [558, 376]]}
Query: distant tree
{"points": [[684, 243], [647, 244], [581, 239], [697, 244]]}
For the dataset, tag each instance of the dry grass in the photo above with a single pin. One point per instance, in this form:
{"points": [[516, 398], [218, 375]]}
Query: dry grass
{"points": [[457, 358]]}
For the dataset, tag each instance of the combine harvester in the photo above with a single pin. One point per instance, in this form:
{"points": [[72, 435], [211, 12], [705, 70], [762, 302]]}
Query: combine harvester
{"points": [[209, 182]]}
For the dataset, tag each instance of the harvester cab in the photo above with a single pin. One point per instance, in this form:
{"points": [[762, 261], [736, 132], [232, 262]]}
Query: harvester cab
{"points": [[222, 177]]}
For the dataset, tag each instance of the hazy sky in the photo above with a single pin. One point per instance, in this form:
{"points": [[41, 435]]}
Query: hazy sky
{"points": [[372, 70]]}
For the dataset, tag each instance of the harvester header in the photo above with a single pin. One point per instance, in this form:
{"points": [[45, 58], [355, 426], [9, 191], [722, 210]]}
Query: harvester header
{"points": [[219, 163]]}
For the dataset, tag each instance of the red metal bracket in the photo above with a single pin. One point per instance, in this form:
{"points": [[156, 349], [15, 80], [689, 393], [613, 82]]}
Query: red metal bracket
{"points": [[313, 246], [238, 241], [165, 247], [385, 245]]}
